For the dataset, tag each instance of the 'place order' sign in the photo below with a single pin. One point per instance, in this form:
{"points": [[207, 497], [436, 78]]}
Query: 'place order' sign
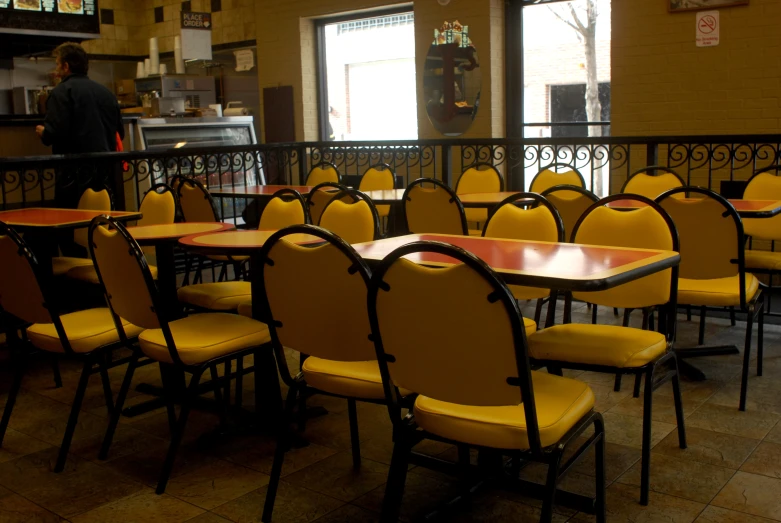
{"points": [[196, 20]]}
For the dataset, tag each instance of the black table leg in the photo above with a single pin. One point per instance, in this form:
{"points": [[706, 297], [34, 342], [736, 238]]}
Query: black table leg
{"points": [[166, 279]]}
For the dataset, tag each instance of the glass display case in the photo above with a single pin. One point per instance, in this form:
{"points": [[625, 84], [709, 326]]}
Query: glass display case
{"points": [[213, 170]]}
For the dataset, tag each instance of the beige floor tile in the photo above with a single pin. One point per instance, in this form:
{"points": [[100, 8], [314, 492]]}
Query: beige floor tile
{"points": [[763, 394], [623, 506], [258, 453], [752, 494], [292, 505], [729, 420], [349, 514], [215, 484], [713, 514], [606, 397], [144, 506], [16, 444], [16, 509], [618, 459], [208, 517], [765, 460], [491, 507], [126, 441], [81, 487], [705, 446], [685, 479], [774, 436], [628, 430], [662, 408], [422, 494], [336, 477], [145, 466]]}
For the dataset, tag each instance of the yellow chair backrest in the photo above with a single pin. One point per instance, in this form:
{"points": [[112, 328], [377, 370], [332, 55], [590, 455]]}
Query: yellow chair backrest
{"points": [[94, 201], [511, 222], [710, 241], [643, 228], [158, 208], [122, 275], [652, 186], [278, 214], [763, 186], [378, 178], [571, 205], [322, 173], [354, 222], [195, 203], [332, 322], [433, 209], [548, 178], [20, 293], [316, 200], [480, 178], [440, 357]]}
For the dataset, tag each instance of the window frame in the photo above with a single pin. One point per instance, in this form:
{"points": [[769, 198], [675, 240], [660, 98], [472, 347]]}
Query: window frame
{"points": [[515, 124], [321, 68]]}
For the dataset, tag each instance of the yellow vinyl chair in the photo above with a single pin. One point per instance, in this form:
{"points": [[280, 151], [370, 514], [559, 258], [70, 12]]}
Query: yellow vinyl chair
{"points": [[92, 200], [764, 185], [571, 202], [431, 207], [479, 178], [713, 272], [286, 207], [190, 345], [468, 365], [551, 176], [319, 197], [618, 349], [322, 172], [536, 220], [355, 221], [157, 208], [338, 356], [379, 177], [652, 181], [86, 336]]}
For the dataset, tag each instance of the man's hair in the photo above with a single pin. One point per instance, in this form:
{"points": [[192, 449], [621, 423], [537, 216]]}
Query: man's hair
{"points": [[74, 55]]}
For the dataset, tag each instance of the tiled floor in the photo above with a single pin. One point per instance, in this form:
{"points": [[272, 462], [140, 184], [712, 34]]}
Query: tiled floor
{"points": [[731, 471]]}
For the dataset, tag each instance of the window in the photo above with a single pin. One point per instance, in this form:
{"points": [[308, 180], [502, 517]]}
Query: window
{"points": [[367, 77], [568, 104]]}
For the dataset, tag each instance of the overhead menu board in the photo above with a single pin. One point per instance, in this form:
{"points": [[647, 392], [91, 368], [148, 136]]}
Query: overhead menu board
{"points": [[54, 17]]}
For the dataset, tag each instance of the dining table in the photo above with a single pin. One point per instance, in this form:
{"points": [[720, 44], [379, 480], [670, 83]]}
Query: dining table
{"points": [[745, 208], [42, 227], [257, 192]]}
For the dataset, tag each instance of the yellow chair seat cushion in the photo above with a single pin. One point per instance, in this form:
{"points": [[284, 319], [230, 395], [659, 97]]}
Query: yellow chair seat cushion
{"points": [[87, 273], [223, 296], [245, 308], [354, 379], [528, 293], [561, 403], [764, 260], [62, 264], [609, 345], [86, 331], [718, 292], [203, 337]]}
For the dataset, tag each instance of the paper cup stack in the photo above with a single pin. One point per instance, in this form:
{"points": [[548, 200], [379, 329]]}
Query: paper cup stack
{"points": [[154, 56], [178, 60]]}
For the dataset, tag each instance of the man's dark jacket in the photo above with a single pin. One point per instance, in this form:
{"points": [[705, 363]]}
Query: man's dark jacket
{"points": [[82, 116]]}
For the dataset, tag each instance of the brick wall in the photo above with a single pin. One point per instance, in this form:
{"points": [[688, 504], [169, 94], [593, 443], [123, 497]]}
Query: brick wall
{"points": [[664, 85]]}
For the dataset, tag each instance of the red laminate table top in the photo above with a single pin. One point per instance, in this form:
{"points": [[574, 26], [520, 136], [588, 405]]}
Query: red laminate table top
{"points": [[238, 242], [258, 191], [174, 231], [745, 208], [540, 264], [59, 218]]}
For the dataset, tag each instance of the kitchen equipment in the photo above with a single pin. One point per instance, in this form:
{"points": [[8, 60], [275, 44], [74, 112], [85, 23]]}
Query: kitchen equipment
{"points": [[167, 105], [30, 100], [197, 91], [235, 109]]}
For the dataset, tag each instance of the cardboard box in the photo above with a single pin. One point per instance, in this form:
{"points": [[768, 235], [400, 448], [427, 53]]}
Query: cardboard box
{"points": [[126, 88]]}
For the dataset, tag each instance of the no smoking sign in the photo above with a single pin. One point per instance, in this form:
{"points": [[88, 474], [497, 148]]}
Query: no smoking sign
{"points": [[707, 28]]}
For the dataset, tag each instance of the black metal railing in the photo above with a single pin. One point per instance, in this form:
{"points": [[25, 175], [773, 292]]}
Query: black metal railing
{"points": [[605, 163]]}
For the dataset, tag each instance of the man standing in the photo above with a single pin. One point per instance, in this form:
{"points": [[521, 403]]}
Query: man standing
{"points": [[82, 116]]}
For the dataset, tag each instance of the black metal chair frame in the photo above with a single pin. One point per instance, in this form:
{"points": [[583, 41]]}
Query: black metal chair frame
{"points": [[321, 165], [538, 199], [406, 434], [309, 203], [753, 306], [651, 371], [297, 386], [658, 170], [453, 199], [358, 196], [770, 272], [287, 195], [554, 166], [168, 370], [21, 349]]}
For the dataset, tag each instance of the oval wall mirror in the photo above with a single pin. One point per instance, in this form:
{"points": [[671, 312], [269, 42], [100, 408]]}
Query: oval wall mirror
{"points": [[451, 80]]}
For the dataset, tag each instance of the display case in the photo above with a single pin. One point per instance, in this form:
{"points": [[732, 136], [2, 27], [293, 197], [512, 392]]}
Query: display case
{"points": [[213, 170]]}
